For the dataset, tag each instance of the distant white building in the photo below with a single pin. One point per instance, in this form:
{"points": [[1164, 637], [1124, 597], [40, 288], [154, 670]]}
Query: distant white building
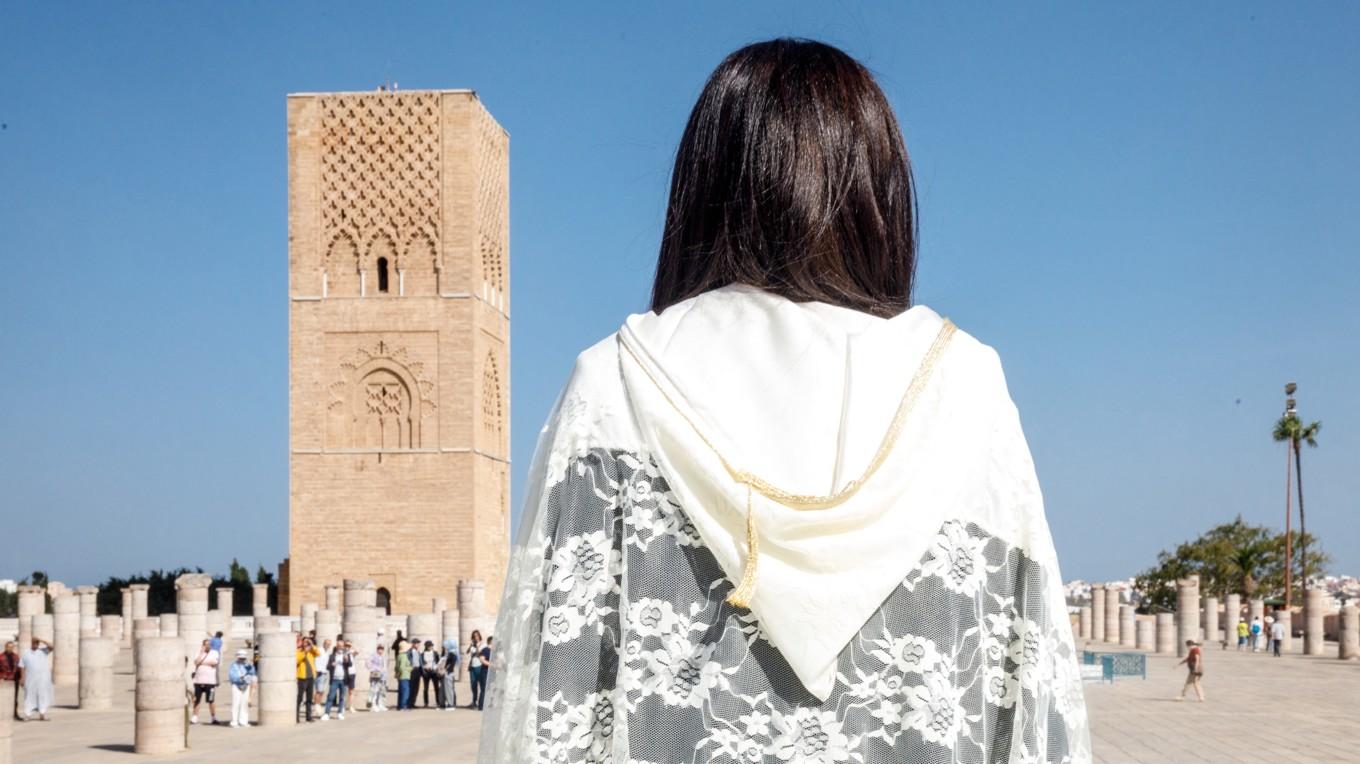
{"points": [[8, 585]]}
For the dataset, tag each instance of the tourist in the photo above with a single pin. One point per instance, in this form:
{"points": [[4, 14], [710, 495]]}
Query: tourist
{"points": [[10, 672], [323, 682], [36, 665], [476, 669], [339, 665], [787, 413], [1194, 664], [306, 675], [1243, 630], [350, 682], [205, 680], [377, 680], [1277, 635], [216, 642], [241, 676], [448, 669], [1267, 632], [403, 672], [1256, 633], [429, 668], [417, 671]]}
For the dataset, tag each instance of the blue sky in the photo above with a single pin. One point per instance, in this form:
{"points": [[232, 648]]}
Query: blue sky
{"points": [[1151, 211]]}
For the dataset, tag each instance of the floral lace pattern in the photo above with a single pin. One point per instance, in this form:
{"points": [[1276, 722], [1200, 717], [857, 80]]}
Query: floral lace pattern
{"points": [[624, 649]]}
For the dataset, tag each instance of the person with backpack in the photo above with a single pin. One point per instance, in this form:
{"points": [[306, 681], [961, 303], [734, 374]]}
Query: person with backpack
{"points": [[377, 680], [1256, 632], [1194, 662], [338, 667], [448, 669]]}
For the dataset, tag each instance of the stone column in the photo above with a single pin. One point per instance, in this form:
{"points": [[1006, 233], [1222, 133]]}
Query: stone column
{"points": [[471, 610], [1256, 608], [43, 628], [1166, 632], [333, 601], [31, 600], [127, 615], [139, 596], [1314, 639], [449, 625], [1127, 621], [1146, 638], [260, 600], [1187, 613], [141, 629], [89, 610], [1287, 618], [422, 626], [95, 690], [1111, 615], [278, 679], [1098, 612], [160, 695], [361, 628], [226, 601], [1084, 622], [437, 606], [169, 625], [308, 619], [66, 645], [1350, 633], [25, 633], [327, 626], [1211, 630], [1232, 613], [191, 605], [111, 627]]}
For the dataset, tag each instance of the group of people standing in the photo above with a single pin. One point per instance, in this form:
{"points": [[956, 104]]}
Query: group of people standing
{"points": [[33, 670], [1266, 634]]}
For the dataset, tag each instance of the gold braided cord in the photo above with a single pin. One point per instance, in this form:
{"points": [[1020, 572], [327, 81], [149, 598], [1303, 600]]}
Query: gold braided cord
{"points": [[741, 595]]}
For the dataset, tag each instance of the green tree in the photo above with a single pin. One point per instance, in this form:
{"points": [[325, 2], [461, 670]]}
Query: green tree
{"points": [[238, 573], [1290, 429], [1232, 557]]}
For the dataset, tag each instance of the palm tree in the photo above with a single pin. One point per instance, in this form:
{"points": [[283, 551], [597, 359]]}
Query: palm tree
{"points": [[1292, 430], [1247, 560]]}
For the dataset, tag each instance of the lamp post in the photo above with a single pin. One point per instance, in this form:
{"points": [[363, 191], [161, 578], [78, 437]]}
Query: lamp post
{"points": [[1289, 389]]}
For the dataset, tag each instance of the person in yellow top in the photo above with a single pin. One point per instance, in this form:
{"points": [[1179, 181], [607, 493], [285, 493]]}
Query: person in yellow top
{"points": [[306, 674], [1242, 631]]}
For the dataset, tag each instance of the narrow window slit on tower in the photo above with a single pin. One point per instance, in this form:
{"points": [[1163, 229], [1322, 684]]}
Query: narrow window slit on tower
{"points": [[382, 274]]}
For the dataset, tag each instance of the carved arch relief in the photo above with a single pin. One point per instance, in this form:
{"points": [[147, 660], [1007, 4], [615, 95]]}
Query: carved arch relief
{"points": [[380, 399], [493, 409]]}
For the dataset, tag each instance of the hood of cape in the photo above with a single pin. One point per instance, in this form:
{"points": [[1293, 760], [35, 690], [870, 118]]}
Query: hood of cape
{"points": [[802, 395]]}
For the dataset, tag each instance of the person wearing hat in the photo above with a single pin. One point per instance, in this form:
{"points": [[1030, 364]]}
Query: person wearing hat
{"points": [[1194, 661], [241, 675]]}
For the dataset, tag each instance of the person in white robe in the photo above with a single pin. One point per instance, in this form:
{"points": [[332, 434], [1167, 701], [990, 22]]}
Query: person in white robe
{"points": [[785, 515], [37, 666]]}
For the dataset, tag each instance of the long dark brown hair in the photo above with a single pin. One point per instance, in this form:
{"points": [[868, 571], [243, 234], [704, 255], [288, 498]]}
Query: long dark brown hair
{"points": [[792, 177]]}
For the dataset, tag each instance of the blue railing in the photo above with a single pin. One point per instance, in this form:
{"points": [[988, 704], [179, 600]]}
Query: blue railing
{"points": [[1114, 665]]}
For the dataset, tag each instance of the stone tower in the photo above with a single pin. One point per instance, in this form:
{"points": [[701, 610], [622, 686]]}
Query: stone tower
{"points": [[398, 347]]}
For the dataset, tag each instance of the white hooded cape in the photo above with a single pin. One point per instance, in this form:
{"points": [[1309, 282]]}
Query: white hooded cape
{"points": [[635, 529]]}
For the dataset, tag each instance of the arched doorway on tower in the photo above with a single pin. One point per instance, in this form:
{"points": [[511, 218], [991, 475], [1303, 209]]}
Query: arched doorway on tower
{"points": [[385, 600]]}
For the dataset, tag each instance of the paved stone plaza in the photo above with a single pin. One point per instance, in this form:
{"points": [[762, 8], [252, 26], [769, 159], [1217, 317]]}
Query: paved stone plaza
{"points": [[1294, 709], [74, 736]]}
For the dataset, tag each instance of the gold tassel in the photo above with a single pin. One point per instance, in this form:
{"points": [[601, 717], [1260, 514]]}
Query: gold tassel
{"points": [[741, 595]]}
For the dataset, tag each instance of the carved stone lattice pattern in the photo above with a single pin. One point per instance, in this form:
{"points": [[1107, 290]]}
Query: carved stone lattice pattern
{"points": [[491, 398], [491, 206], [380, 174]]}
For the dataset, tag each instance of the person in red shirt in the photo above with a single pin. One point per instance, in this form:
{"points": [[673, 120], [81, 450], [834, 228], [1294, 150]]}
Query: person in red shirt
{"points": [[11, 672], [1194, 661]]}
